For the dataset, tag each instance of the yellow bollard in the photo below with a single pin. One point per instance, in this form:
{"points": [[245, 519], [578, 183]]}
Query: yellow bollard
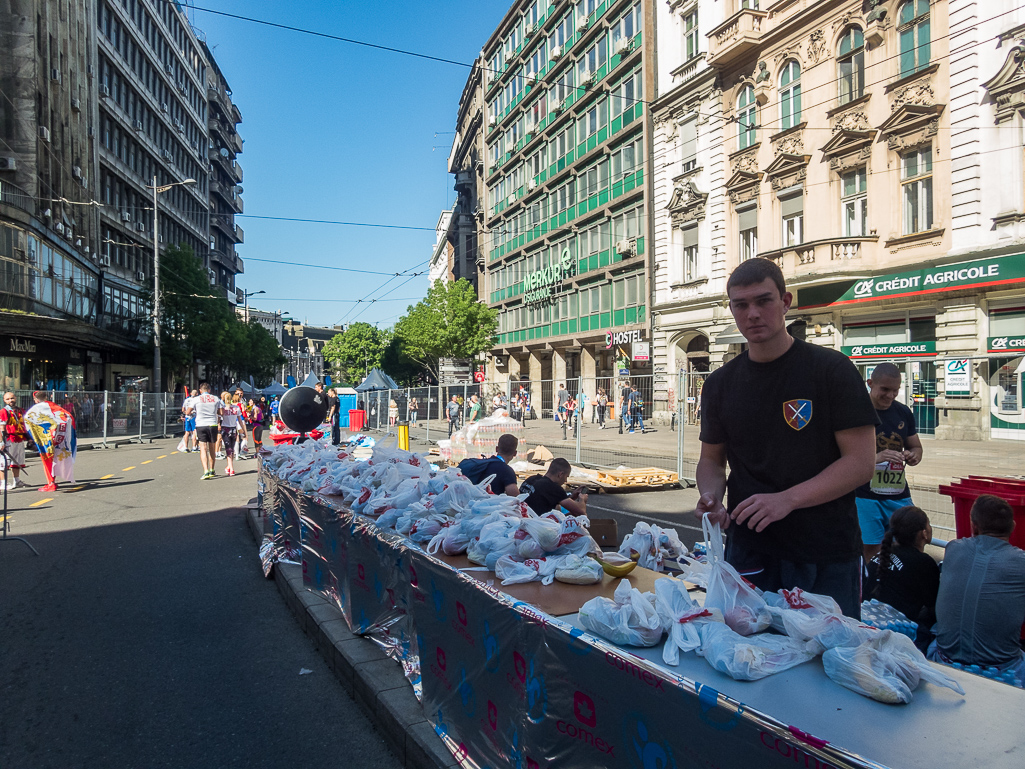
{"points": [[402, 431]]}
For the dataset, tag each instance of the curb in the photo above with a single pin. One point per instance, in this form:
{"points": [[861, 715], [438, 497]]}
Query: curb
{"points": [[366, 673]]}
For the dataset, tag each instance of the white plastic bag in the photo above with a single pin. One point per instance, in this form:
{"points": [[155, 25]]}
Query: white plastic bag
{"points": [[181, 445], [513, 572], [886, 668], [751, 658], [628, 620], [579, 570], [653, 545], [743, 609], [681, 617]]}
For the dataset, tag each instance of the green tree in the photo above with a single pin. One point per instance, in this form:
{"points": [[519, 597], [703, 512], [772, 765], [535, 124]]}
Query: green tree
{"points": [[448, 323], [356, 351]]}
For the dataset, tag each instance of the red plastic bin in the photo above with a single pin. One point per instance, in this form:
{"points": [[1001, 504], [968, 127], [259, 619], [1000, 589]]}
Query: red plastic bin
{"points": [[357, 420], [968, 490]]}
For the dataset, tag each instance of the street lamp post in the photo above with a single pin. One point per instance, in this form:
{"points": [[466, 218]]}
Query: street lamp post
{"points": [[247, 295], [157, 375]]}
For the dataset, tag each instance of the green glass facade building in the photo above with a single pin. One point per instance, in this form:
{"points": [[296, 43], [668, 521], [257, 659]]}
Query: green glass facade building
{"points": [[567, 184]]}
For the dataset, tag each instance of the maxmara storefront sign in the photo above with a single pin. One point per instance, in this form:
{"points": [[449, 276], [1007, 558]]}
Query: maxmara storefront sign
{"points": [[1014, 345], [951, 277], [901, 350], [538, 285]]}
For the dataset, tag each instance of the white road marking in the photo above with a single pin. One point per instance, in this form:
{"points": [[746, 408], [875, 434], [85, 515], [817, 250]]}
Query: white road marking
{"points": [[674, 524]]}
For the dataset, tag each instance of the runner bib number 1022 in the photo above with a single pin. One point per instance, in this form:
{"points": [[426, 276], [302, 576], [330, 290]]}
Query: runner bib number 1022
{"points": [[888, 479]]}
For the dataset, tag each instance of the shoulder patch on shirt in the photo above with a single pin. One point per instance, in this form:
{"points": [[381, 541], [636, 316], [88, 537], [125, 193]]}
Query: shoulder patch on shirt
{"points": [[797, 413]]}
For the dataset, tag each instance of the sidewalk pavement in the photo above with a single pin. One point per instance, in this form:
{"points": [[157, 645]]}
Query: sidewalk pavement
{"points": [[366, 673]]}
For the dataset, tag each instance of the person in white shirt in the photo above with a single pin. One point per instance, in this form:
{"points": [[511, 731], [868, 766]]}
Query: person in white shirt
{"points": [[207, 409], [191, 444]]}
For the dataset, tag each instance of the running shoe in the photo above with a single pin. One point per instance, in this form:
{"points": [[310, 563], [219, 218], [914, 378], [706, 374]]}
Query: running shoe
{"points": [[49, 487], [19, 483], [207, 475], [229, 472]]}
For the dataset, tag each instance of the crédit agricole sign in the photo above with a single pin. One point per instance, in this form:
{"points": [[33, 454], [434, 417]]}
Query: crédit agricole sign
{"points": [[950, 277]]}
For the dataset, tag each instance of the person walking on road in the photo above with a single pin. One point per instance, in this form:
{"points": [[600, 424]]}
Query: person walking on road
{"points": [[602, 402], [207, 409], [452, 410], [635, 407], [53, 431], [569, 411], [13, 436], [563, 396], [190, 441], [897, 445], [796, 425], [242, 428], [475, 409], [412, 409], [230, 418]]}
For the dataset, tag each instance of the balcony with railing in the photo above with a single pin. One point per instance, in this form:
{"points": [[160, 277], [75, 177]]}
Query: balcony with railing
{"points": [[829, 255], [12, 195], [736, 37]]}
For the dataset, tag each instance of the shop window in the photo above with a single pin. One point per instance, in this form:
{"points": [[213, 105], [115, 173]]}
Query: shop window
{"points": [[1009, 322], [916, 190], [747, 224], [791, 204], [850, 64], [746, 116], [854, 202], [913, 29], [790, 95]]}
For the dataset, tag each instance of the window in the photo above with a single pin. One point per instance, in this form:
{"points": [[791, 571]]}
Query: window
{"points": [[913, 28], [628, 291], [689, 145], [626, 159], [749, 5], [746, 115], [850, 63], [790, 95], [791, 205], [854, 203], [916, 190], [690, 34], [690, 254], [747, 219]]}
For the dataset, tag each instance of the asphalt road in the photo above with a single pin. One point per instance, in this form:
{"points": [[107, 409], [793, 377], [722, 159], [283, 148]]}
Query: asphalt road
{"points": [[144, 634]]}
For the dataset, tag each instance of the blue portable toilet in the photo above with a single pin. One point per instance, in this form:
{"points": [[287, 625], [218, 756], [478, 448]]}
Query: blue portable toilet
{"points": [[346, 401]]}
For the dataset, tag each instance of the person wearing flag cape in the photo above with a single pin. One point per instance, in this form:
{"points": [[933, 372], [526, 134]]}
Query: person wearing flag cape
{"points": [[52, 429]]}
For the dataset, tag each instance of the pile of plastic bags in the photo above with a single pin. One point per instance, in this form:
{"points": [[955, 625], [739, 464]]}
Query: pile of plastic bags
{"points": [[445, 512]]}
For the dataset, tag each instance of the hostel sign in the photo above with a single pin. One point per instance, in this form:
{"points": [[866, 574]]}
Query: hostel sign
{"points": [[949, 277], [538, 285]]}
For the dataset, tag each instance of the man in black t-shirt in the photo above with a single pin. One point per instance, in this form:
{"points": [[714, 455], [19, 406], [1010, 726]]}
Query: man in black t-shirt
{"points": [[897, 445], [796, 426], [546, 492]]}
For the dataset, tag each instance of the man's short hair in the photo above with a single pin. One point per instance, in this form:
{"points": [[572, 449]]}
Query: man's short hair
{"points": [[507, 444], [558, 466], [886, 370], [993, 515], [752, 271], [39, 396], [204, 386]]}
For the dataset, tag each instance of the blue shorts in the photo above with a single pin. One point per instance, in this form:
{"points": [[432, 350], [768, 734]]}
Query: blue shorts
{"points": [[874, 517], [190, 424]]}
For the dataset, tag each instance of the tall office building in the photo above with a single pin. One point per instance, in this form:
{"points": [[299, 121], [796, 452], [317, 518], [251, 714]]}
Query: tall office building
{"points": [[567, 136], [99, 99]]}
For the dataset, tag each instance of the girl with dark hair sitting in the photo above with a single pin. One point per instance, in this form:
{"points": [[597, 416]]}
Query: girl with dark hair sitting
{"points": [[902, 575]]}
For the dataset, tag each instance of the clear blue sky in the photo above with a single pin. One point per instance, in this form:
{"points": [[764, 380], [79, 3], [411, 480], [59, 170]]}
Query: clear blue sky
{"points": [[336, 131]]}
